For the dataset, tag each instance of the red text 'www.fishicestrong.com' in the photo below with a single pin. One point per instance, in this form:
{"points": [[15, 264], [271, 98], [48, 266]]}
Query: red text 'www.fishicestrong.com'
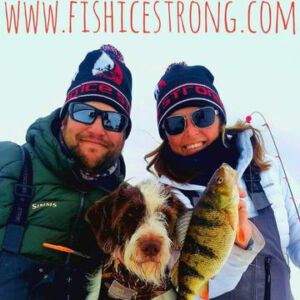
{"points": [[146, 17]]}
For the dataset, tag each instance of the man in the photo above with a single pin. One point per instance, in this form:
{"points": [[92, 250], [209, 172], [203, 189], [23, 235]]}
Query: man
{"points": [[74, 160]]}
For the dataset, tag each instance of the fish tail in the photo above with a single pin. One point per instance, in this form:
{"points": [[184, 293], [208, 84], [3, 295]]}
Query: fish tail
{"points": [[204, 292], [186, 296], [190, 282]]}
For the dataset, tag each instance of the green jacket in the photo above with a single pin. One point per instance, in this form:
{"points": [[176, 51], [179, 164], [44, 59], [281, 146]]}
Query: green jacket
{"points": [[61, 199]]}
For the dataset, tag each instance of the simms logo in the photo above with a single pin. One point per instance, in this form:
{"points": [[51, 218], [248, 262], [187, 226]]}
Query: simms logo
{"points": [[44, 204]]}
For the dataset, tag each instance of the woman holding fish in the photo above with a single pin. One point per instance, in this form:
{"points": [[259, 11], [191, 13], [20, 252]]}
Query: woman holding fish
{"points": [[191, 122]]}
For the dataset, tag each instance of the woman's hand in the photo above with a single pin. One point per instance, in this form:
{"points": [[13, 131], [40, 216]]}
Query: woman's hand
{"points": [[244, 232]]}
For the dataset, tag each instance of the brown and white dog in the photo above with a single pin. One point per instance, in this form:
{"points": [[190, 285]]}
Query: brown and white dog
{"points": [[135, 226]]}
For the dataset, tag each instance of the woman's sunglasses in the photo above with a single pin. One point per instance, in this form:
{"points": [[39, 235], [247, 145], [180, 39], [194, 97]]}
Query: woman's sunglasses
{"points": [[201, 118], [87, 114]]}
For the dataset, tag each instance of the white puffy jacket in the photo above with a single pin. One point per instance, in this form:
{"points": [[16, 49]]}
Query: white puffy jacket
{"points": [[276, 190]]}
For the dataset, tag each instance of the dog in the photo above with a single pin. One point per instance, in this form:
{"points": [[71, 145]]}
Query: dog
{"points": [[135, 226]]}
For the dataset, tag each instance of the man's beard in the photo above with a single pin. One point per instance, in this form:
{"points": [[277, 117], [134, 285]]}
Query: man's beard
{"points": [[102, 164]]}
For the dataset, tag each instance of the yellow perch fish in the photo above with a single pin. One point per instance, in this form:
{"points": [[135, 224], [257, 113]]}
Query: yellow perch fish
{"points": [[211, 234]]}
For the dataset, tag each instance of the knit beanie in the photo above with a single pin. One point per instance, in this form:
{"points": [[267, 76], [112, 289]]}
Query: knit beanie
{"points": [[185, 86], [102, 76]]}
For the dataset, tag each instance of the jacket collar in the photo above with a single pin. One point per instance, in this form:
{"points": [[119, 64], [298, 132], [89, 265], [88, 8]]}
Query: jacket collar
{"points": [[243, 143]]}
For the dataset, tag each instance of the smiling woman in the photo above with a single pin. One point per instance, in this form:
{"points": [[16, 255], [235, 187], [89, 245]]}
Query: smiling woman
{"points": [[194, 136], [192, 124]]}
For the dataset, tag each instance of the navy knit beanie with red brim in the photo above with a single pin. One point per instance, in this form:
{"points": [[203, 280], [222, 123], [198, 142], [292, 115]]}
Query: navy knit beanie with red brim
{"points": [[185, 86], [102, 76]]}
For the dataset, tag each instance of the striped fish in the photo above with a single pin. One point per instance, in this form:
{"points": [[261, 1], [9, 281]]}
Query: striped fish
{"points": [[210, 235]]}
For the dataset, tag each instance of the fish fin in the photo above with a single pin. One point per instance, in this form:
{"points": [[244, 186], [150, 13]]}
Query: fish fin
{"points": [[240, 235], [203, 292], [231, 221], [174, 273]]}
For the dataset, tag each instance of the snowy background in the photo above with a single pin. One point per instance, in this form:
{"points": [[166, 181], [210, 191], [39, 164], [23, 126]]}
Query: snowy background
{"points": [[252, 73]]}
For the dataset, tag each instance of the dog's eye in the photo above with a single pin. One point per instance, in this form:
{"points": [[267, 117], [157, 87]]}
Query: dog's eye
{"points": [[169, 201], [131, 212]]}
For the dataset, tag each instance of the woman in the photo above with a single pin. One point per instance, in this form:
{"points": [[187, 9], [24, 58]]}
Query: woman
{"points": [[191, 122]]}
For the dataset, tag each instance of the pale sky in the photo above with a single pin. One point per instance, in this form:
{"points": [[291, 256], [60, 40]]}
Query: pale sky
{"points": [[253, 72]]}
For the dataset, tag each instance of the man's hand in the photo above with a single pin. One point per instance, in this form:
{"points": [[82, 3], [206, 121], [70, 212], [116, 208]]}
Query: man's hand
{"points": [[244, 232]]}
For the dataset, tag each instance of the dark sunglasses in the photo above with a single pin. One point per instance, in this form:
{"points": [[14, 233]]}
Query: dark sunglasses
{"points": [[201, 118], [87, 114]]}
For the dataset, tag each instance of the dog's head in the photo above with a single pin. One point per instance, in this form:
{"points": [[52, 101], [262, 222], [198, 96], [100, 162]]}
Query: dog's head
{"points": [[137, 225]]}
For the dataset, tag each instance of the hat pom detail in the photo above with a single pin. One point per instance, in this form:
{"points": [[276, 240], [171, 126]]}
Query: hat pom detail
{"points": [[173, 66], [113, 52]]}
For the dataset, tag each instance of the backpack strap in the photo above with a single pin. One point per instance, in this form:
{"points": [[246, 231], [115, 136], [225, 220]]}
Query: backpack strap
{"points": [[254, 188], [23, 194]]}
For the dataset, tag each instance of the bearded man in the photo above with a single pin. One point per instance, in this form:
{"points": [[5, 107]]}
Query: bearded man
{"points": [[71, 158]]}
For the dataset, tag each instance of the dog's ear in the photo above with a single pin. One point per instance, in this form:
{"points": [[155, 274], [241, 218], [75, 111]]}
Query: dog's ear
{"points": [[125, 196], [174, 202], [173, 211], [177, 204], [99, 215]]}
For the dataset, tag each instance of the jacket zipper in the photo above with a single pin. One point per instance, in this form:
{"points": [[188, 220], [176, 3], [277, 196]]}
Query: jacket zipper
{"points": [[268, 278], [72, 235]]}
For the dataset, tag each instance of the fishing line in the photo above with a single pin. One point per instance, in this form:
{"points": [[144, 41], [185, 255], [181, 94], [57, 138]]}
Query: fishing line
{"points": [[248, 120], [149, 134]]}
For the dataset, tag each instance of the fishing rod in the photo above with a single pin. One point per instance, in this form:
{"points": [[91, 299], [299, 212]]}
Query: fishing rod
{"points": [[248, 120]]}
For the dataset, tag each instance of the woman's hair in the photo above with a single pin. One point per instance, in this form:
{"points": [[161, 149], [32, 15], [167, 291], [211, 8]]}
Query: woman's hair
{"points": [[160, 163], [257, 142]]}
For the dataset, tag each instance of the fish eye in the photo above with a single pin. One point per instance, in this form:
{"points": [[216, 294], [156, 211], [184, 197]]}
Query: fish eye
{"points": [[219, 180]]}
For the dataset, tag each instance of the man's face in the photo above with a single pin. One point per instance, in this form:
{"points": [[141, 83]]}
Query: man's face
{"points": [[92, 146]]}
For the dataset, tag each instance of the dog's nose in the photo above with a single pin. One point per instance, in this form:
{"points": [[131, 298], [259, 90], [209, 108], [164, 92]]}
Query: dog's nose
{"points": [[151, 248]]}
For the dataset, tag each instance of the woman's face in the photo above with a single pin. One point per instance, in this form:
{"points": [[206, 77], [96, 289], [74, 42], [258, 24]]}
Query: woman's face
{"points": [[192, 139]]}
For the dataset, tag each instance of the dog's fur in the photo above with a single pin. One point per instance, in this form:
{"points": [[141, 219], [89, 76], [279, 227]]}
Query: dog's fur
{"points": [[136, 226]]}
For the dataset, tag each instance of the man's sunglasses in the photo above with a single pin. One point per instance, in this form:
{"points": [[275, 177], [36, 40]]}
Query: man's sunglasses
{"points": [[87, 114], [201, 118]]}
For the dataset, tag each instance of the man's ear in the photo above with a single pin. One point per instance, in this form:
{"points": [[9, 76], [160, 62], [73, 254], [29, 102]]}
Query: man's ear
{"points": [[64, 122]]}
